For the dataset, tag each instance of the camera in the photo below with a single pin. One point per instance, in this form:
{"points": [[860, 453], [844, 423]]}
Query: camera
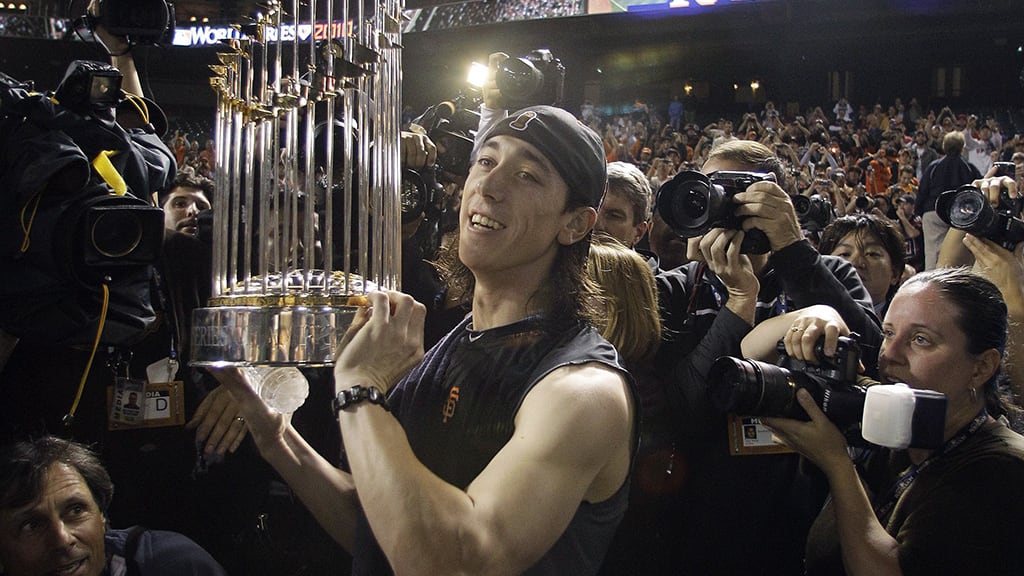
{"points": [[692, 204], [451, 125], [141, 21], [421, 194], [537, 78], [968, 209], [814, 212], [76, 227], [753, 388], [89, 86], [864, 203], [1008, 169]]}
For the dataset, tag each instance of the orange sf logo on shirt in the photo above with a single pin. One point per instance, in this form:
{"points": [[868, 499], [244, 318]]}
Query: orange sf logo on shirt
{"points": [[449, 406]]}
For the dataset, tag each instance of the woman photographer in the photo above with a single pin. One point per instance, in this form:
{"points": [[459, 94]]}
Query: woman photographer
{"points": [[947, 511]]}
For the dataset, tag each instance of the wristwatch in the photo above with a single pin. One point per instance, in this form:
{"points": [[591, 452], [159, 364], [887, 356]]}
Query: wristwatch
{"points": [[357, 394]]}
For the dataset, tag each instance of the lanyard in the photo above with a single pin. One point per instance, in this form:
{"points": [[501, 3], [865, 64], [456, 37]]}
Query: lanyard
{"points": [[171, 315], [908, 478]]}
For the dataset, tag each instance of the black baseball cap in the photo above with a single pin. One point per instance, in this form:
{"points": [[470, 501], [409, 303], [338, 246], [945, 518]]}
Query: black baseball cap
{"points": [[575, 150]]}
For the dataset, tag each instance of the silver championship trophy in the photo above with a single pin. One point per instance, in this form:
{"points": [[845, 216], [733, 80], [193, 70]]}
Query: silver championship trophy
{"points": [[307, 214]]}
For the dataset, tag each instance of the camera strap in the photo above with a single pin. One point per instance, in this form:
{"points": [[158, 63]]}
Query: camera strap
{"points": [[105, 168], [889, 502], [69, 419]]}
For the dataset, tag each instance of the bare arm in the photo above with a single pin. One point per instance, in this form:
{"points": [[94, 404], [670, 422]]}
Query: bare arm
{"points": [[327, 492], [1006, 270], [523, 500], [120, 55]]}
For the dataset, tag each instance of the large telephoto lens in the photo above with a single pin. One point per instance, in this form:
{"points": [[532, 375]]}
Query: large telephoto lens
{"points": [[753, 388]]}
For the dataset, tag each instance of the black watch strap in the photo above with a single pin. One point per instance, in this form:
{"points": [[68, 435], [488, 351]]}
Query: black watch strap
{"points": [[358, 394]]}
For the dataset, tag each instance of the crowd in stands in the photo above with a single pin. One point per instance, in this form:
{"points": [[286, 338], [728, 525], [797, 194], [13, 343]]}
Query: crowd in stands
{"points": [[863, 159], [841, 154], [456, 14], [193, 148]]}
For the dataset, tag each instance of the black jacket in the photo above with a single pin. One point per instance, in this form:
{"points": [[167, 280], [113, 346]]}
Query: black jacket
{"points": [[946, 173]]}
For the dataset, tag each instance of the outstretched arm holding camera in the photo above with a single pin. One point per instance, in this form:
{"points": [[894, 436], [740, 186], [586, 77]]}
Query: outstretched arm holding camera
{"points": [[953, 251], [1006, 270], [120, 53], [800, 330]]}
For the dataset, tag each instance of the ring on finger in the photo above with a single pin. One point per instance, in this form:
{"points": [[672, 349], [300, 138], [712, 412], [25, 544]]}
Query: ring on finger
{"points": [[240, 419], [796, 329]]}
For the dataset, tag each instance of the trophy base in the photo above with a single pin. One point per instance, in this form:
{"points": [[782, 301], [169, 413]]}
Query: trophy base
{"points": [[296, 335]]}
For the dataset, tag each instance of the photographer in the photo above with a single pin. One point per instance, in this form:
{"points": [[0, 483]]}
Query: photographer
{"points": [[1003, 267], [751, 124], [817, 153], [890, 512], [879, 171], [910, 227], [841, 192], [708, 306]]}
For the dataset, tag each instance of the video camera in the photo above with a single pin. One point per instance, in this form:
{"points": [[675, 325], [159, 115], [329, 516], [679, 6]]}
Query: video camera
{"points": [[140, 21], [75, 220], [967, 208], [537, 78], [692, 204], [451, 125], [89, 87], [753, 388]]}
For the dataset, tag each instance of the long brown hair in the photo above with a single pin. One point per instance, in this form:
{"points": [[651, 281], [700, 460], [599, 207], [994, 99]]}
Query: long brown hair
{"points": [[631, 321], [571, 296]]}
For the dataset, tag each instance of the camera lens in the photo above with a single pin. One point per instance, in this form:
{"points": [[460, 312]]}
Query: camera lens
{"points": [[801, 204], [966, 209], [413, 197], [116, 233], [686, 204], [753, 388], [693, 203]]}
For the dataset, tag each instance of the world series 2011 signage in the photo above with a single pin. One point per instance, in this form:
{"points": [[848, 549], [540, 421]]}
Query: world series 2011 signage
{"points": [[211, 35]]}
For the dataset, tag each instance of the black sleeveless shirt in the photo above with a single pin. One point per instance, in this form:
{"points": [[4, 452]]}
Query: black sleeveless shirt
{"points": [[458, 409]]}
